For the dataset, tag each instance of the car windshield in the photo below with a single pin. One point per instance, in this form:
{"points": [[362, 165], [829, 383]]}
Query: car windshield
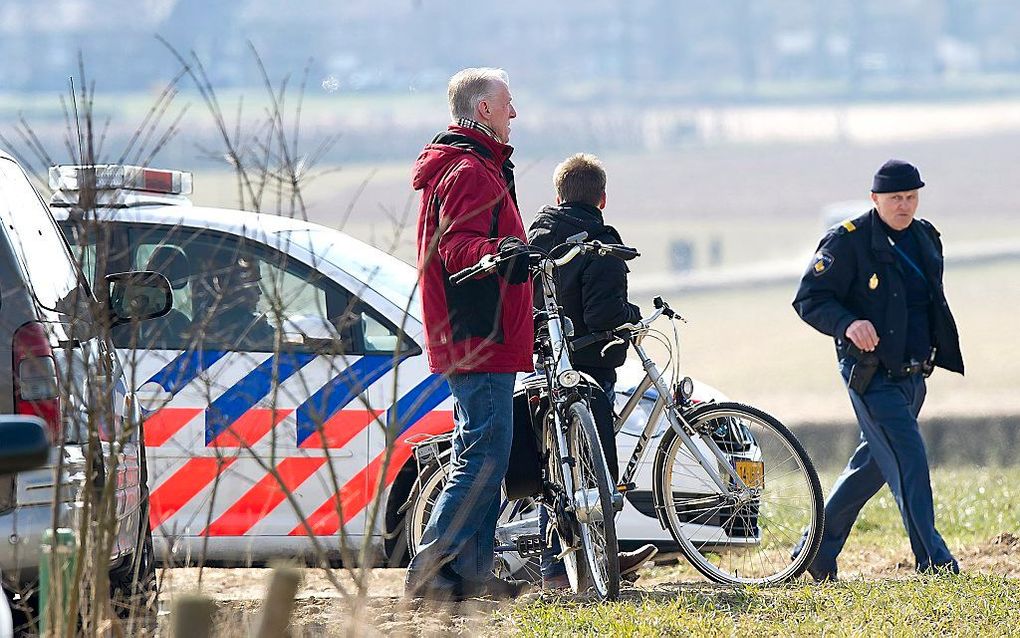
{"points": [[390, 277]]}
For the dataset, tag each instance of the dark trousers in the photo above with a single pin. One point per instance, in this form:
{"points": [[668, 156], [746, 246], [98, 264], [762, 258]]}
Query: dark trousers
{"points": [[891, 451]]}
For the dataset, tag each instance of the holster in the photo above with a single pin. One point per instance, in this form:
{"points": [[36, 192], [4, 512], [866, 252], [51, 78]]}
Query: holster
{"points": [[863, 369]]}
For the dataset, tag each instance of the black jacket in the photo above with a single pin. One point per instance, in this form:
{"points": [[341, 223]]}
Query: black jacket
{"points": [[856, 275], [592, 289]]}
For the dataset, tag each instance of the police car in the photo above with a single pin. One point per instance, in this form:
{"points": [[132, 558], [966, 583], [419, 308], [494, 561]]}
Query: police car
{"points": [[269, 388]]}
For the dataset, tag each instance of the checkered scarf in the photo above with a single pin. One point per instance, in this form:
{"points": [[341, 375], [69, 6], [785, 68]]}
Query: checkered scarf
{"points": [[477, 126]]}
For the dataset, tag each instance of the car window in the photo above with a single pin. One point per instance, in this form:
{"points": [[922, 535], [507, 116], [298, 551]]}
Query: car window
{"points": [[52, 273], [235, 294], [384, 273], [83, 238]]}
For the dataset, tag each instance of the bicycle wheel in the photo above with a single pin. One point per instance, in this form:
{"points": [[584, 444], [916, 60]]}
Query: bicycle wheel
{"points": [[731, 541], [423, 498], [593, 502], [516, 518], [563, 523]]}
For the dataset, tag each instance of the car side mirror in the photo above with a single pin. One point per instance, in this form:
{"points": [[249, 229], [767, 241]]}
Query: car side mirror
{"points": [[24, 444], [137, 296]]}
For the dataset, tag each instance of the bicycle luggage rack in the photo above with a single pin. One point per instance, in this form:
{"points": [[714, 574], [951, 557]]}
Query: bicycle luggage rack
{"points": [[427, 447]]}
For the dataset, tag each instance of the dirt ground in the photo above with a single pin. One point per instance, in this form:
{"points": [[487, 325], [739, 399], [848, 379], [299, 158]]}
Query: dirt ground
{"points": [[321, 609]]}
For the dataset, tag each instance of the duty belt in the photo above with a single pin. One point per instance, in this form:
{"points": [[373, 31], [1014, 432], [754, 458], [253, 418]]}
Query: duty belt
{"points": [[915, 367]]}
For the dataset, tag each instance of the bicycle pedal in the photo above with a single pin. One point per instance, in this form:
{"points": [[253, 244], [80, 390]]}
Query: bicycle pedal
{"points": [[529, 545], [617, 499]]}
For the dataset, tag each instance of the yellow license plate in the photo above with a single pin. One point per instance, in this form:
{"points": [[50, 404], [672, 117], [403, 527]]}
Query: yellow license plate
{"points": [[752, 473]]}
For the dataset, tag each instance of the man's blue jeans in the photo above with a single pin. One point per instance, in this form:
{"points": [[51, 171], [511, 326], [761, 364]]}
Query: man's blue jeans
{"points": [[462, 525]]}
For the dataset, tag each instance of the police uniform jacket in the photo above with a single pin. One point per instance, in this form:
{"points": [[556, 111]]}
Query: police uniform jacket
{"points": [[856, 274]]}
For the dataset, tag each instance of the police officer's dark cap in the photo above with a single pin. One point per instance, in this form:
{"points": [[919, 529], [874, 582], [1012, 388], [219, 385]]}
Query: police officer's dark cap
{"points": [[896, 176]]}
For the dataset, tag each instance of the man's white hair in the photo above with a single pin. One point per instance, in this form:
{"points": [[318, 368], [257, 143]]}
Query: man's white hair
{"points": [[469, 87]]}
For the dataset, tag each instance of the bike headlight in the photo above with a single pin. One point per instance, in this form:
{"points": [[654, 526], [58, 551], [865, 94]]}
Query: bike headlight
{"points": [[569, 378], [684, 390]]}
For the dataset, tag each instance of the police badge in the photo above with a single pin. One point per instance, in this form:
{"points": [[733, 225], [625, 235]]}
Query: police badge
{"points": [[823, 261]]}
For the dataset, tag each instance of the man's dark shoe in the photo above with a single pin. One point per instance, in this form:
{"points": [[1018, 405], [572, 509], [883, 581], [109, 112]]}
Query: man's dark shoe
{"points": [[442, 586], [821, 575], [630, 562], [497, 588]]}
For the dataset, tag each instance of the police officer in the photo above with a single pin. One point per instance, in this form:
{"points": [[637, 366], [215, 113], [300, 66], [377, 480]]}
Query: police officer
{"points": [[227, 297], [875, 286]]}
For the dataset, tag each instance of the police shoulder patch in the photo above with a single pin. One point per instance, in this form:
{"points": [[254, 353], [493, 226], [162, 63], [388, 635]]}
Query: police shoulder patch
{"points": [[822, 262], [849, 226]]}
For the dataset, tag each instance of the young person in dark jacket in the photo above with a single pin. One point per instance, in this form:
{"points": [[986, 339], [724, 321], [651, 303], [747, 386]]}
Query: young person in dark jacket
{"points": [[592, 289], [593, 293]]}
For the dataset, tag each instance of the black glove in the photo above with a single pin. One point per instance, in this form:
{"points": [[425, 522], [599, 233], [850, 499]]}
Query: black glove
{"points": [[514, 269]]}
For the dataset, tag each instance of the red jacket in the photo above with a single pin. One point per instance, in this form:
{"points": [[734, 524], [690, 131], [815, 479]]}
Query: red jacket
{"points": [[467, 206]]}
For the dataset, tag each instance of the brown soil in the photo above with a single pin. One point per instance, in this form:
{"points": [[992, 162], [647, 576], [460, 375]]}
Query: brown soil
{"points": [[323, 610]]}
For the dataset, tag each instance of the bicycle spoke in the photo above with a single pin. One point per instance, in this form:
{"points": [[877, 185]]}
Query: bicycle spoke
{"points": [[747, 539]]}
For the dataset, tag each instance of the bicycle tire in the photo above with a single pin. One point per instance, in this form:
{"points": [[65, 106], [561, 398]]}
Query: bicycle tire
{"points": [[741, 543], [423, 497], [563, 525], [594, 494]]}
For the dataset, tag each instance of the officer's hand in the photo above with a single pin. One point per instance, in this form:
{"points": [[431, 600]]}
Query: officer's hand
{"points": [[515, 269], [863, 335]]}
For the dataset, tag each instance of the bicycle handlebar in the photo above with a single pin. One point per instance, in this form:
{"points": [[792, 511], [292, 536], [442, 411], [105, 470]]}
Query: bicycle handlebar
{"points": [[488, 263], [621, 332]]}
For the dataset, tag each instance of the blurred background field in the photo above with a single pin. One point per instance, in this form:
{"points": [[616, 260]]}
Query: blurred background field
{"points": [[732, 134]]}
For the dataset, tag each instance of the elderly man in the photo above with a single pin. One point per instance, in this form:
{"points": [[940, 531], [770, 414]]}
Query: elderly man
{"points": [[875, 286], [479, 334]]}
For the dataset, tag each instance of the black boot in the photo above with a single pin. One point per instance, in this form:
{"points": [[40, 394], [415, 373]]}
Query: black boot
{"points": [[497, 588]]}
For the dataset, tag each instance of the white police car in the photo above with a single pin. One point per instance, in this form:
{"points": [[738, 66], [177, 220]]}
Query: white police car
{"points": [[268, 387]]}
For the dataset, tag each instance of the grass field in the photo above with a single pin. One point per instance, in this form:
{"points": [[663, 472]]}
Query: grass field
{"points": [[958, 606], [978, 513]]}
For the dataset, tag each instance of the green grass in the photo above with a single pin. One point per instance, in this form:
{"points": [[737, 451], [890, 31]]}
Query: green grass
{"points": [[977, 605], [972, 505], [878, 596]]}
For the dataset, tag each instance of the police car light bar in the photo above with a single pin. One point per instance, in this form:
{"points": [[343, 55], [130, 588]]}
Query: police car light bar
{"points": [[120, 177]]}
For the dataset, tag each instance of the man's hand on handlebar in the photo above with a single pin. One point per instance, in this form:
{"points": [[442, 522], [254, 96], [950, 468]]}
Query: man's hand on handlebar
{"points": [[513, 263]]}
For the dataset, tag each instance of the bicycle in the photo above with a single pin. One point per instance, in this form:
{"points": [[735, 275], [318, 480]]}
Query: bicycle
{"points": [[731, 484], [574, 484]]}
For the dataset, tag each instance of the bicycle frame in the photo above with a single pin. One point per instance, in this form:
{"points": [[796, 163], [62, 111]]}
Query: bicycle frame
{"points": [[666, 402], [557, 362]]}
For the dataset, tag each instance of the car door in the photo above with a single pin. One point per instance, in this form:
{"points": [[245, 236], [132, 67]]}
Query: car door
{"points": [[93, 392], [251, 432]]}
